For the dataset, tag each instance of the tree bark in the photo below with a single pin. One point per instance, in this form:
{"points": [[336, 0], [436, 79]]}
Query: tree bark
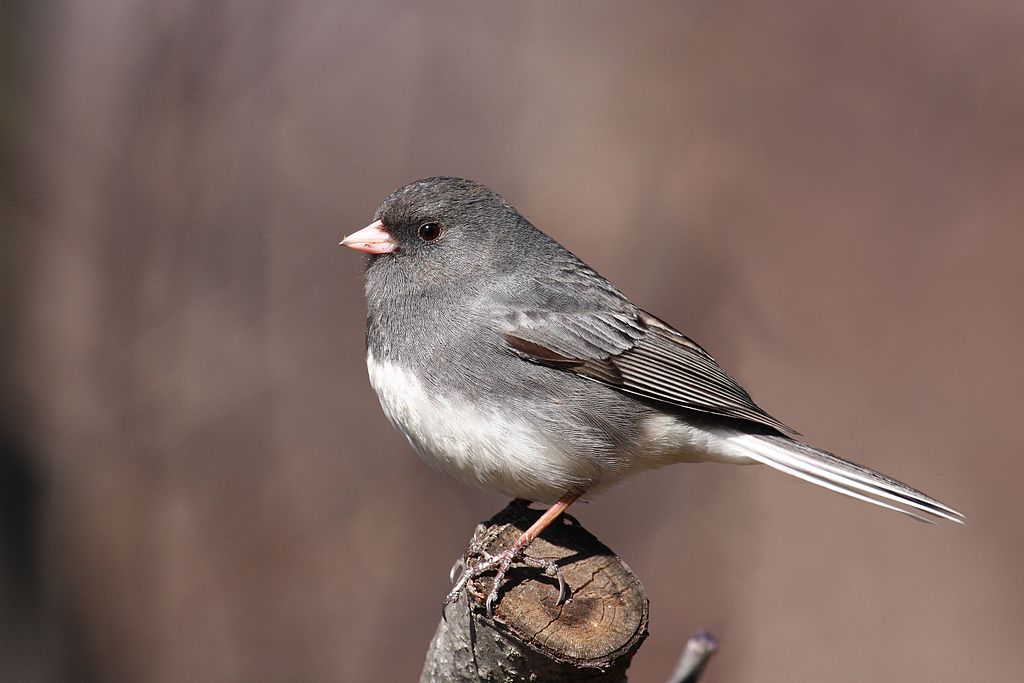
{"points": [[592, 637]]}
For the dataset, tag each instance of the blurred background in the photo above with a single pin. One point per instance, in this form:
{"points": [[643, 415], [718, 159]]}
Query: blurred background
{"points": [[196, 480]]}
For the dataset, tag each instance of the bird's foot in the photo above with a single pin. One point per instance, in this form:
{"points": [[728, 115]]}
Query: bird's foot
{"points": [[500, 564]]}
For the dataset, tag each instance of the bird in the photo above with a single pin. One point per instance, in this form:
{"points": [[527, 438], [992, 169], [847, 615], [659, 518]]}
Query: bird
{"points": [[510, 364]]}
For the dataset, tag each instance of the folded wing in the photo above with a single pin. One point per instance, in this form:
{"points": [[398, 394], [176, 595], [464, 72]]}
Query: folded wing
{"points": [[638, 354]]}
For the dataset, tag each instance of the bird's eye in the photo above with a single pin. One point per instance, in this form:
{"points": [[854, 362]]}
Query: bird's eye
{"points": [[429, 232]]}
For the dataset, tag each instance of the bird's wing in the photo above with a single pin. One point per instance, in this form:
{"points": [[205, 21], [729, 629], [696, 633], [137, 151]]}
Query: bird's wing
{"points": [[637, 354]]}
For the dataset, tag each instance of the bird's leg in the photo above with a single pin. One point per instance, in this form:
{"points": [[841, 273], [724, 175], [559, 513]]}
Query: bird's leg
{"points": [[503, 560]]}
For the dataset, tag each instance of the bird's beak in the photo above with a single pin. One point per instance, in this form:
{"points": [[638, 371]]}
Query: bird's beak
{"points": [[373, 239]]}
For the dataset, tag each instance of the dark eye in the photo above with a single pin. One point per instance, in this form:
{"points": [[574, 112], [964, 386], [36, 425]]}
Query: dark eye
{"points": [[429, 232]]}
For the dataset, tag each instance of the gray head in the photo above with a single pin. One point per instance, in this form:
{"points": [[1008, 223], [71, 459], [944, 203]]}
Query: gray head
{"points": [[438, 236]]}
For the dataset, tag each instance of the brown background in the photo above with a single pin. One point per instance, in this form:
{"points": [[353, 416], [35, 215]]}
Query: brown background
{"points": [[198, 483]]}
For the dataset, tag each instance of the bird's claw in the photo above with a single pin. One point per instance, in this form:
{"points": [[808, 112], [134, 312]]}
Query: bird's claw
{"points": [[455, 571], [500, 564], [563, 587], [489, 605]]}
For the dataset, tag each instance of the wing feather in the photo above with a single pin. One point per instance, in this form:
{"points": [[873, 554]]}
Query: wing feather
{"points": [[637, 354]]}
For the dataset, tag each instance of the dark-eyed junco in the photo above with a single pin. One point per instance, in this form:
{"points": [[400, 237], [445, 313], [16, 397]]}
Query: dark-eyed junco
{"points": [[510, 364]]}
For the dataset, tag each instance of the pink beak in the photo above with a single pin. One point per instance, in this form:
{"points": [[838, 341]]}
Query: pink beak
{"points": [[373, 239]]}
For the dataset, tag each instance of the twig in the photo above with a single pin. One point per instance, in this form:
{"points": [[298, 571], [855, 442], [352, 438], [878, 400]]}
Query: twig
{"points": [[699, 649]]}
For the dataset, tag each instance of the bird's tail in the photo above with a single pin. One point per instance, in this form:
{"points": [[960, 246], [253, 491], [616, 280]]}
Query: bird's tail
{"points": [[828, 470]]}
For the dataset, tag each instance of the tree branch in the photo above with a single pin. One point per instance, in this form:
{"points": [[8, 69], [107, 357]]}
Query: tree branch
{"points": [[592, 637]]}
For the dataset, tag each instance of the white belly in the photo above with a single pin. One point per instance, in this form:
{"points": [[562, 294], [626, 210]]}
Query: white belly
{"points": [[478, 446]]}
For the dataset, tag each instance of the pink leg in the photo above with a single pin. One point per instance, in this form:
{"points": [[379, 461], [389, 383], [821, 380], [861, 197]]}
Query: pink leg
{"points": [[550, 515]]}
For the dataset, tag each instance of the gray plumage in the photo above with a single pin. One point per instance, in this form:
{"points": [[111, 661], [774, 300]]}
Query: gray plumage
{"points": [[511, 364]]}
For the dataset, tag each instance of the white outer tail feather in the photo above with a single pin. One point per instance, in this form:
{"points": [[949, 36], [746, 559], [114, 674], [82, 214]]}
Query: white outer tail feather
{"points": [[832, 472]]}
